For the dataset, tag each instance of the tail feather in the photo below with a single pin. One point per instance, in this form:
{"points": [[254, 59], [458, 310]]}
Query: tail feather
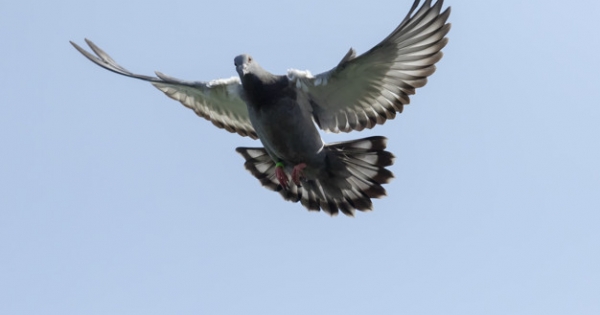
{"points": [[355, 174]]}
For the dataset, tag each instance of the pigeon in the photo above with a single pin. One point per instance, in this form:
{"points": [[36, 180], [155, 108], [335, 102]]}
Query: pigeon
{"points": [[284, 111]]}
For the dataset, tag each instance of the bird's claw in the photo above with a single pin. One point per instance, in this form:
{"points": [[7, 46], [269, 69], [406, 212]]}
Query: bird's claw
{"points": [[281, 177], [297, 174]]}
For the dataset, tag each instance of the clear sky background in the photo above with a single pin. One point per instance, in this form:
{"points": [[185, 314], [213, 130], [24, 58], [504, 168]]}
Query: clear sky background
{"points": [[115, 199]]}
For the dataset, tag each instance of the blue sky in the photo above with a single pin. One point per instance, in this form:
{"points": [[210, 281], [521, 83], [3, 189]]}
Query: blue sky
{"points": [[115, 199]]}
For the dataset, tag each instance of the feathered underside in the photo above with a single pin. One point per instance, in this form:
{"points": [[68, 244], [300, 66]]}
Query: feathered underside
{"points": [[360, 92]]}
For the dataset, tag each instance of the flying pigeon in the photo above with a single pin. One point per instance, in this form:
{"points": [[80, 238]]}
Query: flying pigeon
{"points": [[283, 111]]}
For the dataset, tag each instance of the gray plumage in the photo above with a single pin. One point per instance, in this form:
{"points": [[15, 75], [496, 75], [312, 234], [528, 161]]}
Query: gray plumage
{"points": [[281, 111]]}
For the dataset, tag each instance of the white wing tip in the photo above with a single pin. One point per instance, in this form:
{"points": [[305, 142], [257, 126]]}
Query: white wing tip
{"points": [[294, 74], [223, 81]]}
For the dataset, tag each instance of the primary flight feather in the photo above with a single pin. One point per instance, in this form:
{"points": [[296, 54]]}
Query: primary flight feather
{"points": [[282, 110]]}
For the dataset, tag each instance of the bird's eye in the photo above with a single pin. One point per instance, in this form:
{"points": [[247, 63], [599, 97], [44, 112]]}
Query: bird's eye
{"points": [[249, 59]]}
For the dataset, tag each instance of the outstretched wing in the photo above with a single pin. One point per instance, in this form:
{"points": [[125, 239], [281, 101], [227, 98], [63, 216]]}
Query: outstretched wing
{"points": [[220, 101], [361, 92]]}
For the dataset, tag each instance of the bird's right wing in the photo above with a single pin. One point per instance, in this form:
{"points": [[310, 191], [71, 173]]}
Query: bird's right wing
{"points": [[220, 101]]}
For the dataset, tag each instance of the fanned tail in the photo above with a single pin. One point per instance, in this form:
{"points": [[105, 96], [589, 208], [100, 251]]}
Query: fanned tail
{"points": [[355, 173]]}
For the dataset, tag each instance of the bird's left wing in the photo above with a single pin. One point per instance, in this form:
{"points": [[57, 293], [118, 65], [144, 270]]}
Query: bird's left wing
{"points": [[220, 101], [364, 91]]}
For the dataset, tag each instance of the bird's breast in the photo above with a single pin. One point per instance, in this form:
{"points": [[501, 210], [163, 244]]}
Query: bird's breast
{"points": [[287, 130]]}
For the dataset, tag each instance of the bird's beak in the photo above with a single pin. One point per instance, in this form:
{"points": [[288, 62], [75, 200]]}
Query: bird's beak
{"points": [[242, 69]]}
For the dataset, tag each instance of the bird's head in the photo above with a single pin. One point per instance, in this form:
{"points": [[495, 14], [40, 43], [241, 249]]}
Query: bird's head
{"points": [[245, 64]]}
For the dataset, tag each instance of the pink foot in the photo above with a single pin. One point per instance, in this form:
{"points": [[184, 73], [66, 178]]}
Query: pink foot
{"points": [[281, 177], [297, 173]]}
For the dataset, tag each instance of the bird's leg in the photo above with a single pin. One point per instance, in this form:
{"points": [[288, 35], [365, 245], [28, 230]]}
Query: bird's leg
{"points": [[297, 173], [280, 175]]}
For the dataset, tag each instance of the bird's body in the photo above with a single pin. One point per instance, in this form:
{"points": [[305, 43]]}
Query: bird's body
{"points": [[284, 145], [274, 100], [284, 111]]}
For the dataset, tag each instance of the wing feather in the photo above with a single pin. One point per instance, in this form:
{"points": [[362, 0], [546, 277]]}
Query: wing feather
{"points": [[364, 91], [219, 101]]}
